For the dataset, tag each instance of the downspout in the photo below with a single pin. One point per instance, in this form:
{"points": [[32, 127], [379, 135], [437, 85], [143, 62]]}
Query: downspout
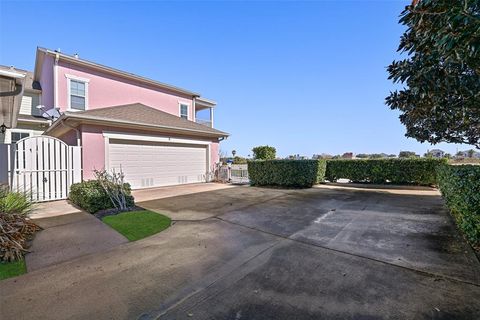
{"points": [[79, 140], [55, 80], [194, 111]]}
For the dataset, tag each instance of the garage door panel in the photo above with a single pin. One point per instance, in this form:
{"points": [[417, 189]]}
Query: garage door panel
{"points": [[148, 164]]}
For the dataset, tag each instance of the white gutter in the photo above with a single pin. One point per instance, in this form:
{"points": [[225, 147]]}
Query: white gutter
{"points": [[55, 80], [12, 74]]}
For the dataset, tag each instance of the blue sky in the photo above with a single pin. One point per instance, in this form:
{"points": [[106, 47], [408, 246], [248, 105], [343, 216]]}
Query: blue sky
{"points": [[305, 77]]}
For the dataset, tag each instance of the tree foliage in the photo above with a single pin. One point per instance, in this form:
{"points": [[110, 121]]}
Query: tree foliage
{"points": [[440, 100], [407, 154], [264, 153]]}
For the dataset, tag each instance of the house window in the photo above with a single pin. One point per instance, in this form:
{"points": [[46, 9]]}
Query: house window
{"points": [[77, 95], [16, 136], [184, 111]]}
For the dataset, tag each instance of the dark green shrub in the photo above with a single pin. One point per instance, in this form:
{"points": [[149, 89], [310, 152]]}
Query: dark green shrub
{"points": [[264, 153], [286, 173], [397, 171], [460, 186], [91, 197]]}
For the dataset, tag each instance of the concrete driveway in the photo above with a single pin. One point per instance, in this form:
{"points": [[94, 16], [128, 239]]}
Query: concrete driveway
{"points": [[250, 253]]}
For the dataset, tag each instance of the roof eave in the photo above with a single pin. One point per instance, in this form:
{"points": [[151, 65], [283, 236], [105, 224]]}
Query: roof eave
{"points": [[131, 124], [110, 70]]}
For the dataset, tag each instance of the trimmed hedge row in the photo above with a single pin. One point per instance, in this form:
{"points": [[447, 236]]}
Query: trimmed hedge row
{"points": [[91, 197], [460, 186], [396, 171], [286, 173]]}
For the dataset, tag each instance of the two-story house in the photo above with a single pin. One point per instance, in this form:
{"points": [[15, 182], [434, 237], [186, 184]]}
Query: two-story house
{"points": [[436, 153], [148, 129]]}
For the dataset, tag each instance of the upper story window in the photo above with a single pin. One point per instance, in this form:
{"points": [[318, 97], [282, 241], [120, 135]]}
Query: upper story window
{"points": [[77, 93], [184, 111]]}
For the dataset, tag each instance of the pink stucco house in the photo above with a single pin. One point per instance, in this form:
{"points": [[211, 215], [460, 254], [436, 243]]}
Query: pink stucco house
{"points": [[148, 129]]}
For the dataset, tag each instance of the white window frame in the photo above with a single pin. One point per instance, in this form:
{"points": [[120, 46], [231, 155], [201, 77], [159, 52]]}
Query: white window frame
{"points": [[180, 103], [69, 99], [8, 138]]}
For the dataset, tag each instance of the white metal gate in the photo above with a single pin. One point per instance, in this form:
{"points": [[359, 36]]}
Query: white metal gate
{"points": [[43, 167]]}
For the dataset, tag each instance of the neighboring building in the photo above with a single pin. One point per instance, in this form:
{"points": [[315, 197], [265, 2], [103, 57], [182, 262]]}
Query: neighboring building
{"points": [[148, 129], [29, 119], [468, 154], [322, 156], [296, 157], [436, 153], [347, 155]]}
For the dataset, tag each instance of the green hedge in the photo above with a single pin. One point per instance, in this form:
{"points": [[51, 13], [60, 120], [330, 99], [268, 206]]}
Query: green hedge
{"points": [[460, 186], [91, 197], [396, 171], [286, 173]]}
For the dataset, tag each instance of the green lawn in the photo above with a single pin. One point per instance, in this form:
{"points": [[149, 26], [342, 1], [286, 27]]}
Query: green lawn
{"points": [[135, 225], [12, 269]]}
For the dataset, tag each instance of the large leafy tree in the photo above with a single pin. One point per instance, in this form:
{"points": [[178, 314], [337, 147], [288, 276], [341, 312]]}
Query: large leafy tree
{"points": [[440, 98]]}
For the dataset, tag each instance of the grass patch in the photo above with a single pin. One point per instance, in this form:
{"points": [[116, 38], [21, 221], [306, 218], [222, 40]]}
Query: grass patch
{"points": [[136, 225], [12, 269]]}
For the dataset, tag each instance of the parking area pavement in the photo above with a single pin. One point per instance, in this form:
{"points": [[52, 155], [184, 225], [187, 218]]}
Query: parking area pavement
{"points": [[255, 253]]}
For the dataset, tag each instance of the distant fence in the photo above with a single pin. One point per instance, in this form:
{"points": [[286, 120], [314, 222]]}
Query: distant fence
{"points": [[235, 173]]}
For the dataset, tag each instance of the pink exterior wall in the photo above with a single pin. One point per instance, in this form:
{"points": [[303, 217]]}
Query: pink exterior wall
{"points": [[93, 146], [69, 138], [214, 154], [105, 90], [46, 81]]}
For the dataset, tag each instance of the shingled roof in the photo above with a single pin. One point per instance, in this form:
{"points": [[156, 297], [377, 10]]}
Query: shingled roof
{"points": [[141, 115]]}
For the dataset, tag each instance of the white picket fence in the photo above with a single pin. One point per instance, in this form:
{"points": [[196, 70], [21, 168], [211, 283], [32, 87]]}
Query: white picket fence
{"points": [[42, 167]]}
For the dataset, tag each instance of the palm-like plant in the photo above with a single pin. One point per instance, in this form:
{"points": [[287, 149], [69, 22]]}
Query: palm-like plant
{"points": [[12, 202]]}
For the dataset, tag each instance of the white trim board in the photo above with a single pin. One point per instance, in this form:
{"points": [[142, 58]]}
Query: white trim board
{"points": [[140, 137]]}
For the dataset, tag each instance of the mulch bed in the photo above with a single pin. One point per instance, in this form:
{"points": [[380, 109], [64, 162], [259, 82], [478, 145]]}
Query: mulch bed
{"points": [[111, 212], [16, 231]]}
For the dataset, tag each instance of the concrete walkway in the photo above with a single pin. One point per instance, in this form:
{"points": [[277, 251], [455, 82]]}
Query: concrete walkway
{"points": [[173, 191], [69, 236], [53, 209]]}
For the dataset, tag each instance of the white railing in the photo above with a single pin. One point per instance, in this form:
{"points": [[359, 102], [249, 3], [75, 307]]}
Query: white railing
{"points": [[236, 173], [207, 123]]}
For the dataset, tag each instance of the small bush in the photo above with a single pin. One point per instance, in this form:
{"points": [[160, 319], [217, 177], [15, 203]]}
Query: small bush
{"points": [[460, 186], [286, 173], [397, 171], [91, 196], [264, 153]]}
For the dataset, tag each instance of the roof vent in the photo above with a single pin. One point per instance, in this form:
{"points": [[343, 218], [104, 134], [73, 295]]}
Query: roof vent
{"points": [[76, 55], [58, 50]]}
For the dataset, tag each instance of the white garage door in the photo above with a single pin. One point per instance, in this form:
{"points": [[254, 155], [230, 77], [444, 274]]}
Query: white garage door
{"points": [[149, 164]]}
